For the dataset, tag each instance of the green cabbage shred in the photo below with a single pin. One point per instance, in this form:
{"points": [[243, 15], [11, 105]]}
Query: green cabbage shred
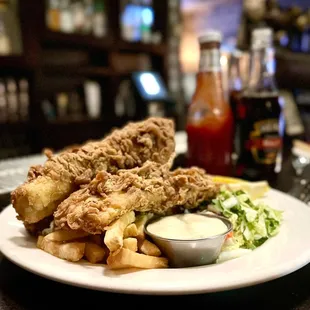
{"points": [[253, 222]]}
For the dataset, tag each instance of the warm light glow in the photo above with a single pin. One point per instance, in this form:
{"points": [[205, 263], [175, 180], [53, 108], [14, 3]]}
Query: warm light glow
{"points": [[224, 60], [189, 52]]}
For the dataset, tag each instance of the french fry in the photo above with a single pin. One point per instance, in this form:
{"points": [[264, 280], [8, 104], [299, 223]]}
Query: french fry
{"points": [[113, 238], [65, 235], [96, 239], [140, 222], [131, 244], [149, 248], [94, 253], [131, 231], [72, 251], [124, 258]]}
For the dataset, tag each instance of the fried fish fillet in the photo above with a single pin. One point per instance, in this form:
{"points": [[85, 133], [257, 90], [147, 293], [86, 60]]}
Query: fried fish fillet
{"points": [[152, 187], [132, 146]]}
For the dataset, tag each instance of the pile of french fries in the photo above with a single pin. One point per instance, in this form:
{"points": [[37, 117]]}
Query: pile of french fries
{"points": [[122, 245]]}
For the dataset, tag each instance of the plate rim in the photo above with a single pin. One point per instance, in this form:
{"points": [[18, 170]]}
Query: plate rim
{"points": [[272, 273]]}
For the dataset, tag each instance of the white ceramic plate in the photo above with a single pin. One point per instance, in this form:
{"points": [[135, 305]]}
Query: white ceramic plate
{"points": [[279, 256]]}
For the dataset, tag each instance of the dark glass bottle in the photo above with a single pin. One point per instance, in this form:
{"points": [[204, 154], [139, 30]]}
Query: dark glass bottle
{"points": [[273, 14], [260, 114], [235, 91]]}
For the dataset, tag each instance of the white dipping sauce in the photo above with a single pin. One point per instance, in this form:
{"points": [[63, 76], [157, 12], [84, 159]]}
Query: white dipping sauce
{"points": [[187, 227]]}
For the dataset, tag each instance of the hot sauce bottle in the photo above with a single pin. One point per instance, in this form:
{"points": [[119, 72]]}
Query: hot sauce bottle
{"points": [[210, 121]]}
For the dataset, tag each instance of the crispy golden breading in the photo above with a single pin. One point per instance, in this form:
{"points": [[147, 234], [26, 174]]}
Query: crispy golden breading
{"points": [[150, 188], [62, 174]]}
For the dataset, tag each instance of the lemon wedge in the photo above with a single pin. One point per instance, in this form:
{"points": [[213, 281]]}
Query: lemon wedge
{"points": [[227, 180], [255, 189]]}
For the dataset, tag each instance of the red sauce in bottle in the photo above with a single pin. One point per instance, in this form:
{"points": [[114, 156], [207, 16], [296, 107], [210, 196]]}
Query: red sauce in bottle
{"points": [[210, 145], [210, 120]]}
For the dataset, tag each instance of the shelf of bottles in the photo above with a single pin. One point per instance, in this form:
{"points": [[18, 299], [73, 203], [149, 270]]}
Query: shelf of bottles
{"points": [[291, 24], [137, 22], [14, 116], [291, 27], [10, 32], [79, 104], [87, 17], [14, 100]]}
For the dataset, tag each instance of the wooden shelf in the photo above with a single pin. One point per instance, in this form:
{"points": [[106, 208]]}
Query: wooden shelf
{"points": [[13, 126], [14, 61], [77, 40], [156, 49], [105, 43], [96, 71], [72, 120], [91, 71]]}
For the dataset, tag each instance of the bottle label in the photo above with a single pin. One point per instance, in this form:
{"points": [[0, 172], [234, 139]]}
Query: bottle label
{"points": [[210, 60], [264, 141]]}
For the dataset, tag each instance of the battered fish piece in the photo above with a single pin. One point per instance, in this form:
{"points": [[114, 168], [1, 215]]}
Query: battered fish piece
{"points": [[151, 188], [132, 146]]}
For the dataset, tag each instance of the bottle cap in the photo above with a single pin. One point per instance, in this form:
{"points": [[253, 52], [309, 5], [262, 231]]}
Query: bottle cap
{"points": [[262, 38], [210, 36]]}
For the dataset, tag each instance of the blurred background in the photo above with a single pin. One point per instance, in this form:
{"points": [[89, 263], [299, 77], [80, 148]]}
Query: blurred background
{"points": [[71, 70]]}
